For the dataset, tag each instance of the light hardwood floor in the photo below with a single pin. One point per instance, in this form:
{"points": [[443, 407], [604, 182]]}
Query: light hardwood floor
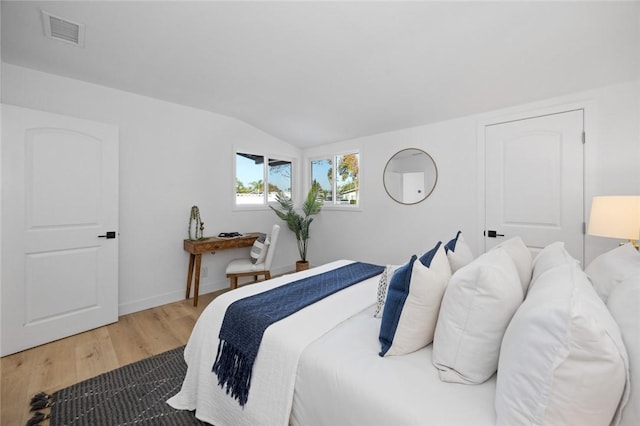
{"points": [[67, 361]]}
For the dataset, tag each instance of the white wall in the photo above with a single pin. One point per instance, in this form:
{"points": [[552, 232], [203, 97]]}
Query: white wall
{"points": [[386, 232], [0, 156], [383, 231], [171, 157], [637, 191]]}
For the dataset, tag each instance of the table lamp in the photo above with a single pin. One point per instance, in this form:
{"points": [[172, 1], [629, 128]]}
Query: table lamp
{"points": [[616, 217]]}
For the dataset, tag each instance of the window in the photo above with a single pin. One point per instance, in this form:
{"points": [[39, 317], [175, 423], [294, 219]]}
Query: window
{"points": [[338, 175], [258, 181]]}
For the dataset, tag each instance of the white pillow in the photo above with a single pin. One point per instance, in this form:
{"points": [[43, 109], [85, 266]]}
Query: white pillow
{"points": [[259, 249], [385, 277], [550, 257], [562, 359], [458, 252], [612, 267], [412, 306], [521, 257], [477, 306], [624, 305]]}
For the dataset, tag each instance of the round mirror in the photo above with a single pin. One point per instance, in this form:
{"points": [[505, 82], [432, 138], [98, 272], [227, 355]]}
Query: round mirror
{"points": [[410, 176]]}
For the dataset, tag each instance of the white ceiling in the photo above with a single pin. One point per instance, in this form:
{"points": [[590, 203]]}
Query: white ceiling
{"points": [[317, 72]]}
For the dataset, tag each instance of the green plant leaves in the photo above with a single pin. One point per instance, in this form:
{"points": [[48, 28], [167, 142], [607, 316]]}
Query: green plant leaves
{"points": [[296, 222]]}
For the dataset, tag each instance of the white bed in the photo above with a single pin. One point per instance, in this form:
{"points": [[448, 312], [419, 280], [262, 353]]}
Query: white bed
{"points": [[342, 381], [274, 372], [339, 372], [321, 366]]}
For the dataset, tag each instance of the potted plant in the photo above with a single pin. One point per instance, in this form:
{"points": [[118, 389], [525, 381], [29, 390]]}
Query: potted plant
{"points": [[299, 223]]}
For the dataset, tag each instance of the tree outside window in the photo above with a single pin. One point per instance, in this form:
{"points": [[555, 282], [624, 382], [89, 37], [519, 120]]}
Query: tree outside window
{"points": [[258, 181], [341, 180]]}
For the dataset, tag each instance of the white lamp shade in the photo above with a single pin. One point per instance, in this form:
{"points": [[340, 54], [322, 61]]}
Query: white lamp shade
{"points": [[615, 217]]}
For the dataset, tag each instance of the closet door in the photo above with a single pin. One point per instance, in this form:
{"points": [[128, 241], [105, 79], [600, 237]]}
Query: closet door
{"points": [[534, 181], [59, 227]]}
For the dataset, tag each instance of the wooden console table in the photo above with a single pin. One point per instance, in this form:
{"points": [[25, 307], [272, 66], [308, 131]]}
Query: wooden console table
{"points": [[210, 245]]}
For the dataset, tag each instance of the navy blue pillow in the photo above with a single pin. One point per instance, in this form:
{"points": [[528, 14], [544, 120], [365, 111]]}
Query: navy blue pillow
{"points": [[426, 258], [451, 245], [396, 296]]}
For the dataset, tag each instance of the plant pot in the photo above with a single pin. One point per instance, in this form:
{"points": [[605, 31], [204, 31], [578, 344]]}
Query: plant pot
{"points": [[302, 265]]}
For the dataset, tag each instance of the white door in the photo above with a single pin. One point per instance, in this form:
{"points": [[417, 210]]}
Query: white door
{"points": [[412, 187], [59, 205], [534, 181]]}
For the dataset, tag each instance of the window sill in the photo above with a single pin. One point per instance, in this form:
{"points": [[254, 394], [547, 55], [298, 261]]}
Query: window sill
{"points": [[342, 208]]}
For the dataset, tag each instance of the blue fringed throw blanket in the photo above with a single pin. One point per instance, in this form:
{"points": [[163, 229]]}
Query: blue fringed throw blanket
{"points": [[246, 320]]}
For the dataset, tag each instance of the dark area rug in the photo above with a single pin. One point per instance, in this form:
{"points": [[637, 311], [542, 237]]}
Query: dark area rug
{"points": [[135, 394]]}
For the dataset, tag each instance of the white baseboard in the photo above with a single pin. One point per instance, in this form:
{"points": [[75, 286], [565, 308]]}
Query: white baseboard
{"points": [[174, 296], [163, 299]]}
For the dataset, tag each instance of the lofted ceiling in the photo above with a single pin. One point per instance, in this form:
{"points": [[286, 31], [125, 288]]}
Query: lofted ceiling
{"points": [[311, 73]]}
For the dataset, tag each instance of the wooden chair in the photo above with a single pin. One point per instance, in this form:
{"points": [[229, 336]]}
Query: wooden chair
{"points": [[244, 268]]}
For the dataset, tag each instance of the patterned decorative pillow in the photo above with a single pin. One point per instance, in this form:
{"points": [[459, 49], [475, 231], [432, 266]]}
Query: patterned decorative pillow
{"points": [[382, 288], [413, 303], [458, 252], [385, 278], [259, 249]]}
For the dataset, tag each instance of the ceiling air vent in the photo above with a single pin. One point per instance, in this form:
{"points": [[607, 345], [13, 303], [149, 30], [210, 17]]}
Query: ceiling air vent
{"points": [[63, 29]]}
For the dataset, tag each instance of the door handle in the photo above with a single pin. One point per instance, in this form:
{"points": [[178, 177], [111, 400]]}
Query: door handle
{"points": [[109, 235], [493, 234]]}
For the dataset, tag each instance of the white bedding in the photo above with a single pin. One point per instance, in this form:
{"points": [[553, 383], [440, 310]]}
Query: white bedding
{"points": [[274, 372], [342, 381]]}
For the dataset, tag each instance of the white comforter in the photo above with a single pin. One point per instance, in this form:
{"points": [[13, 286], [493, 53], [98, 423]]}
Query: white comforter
{"points": [[274, 372], [342, 381]]}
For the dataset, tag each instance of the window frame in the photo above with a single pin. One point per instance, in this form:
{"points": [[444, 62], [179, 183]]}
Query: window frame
{"points": [[265, 178], [333, 156]]}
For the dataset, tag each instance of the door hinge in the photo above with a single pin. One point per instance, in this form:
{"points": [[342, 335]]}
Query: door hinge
{"points": [[584, 137], [584, 228]]}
